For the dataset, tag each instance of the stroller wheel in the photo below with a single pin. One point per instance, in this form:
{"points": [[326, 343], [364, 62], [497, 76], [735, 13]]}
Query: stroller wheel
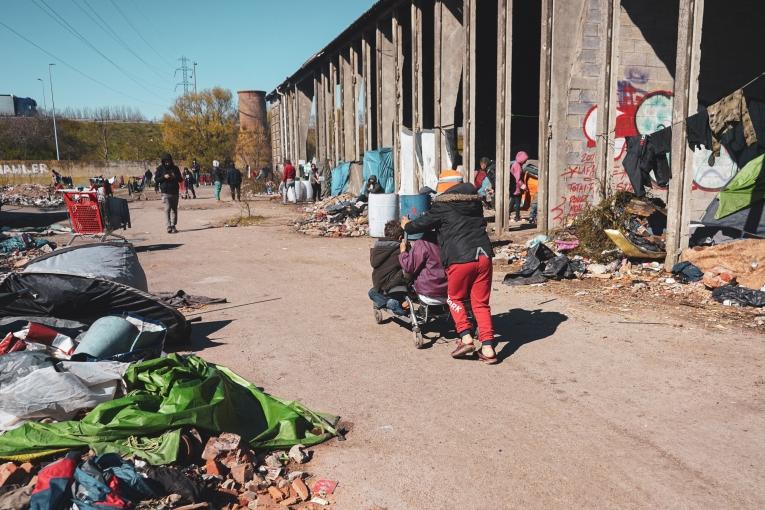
{"points": [[419, 341], [378, 316]]}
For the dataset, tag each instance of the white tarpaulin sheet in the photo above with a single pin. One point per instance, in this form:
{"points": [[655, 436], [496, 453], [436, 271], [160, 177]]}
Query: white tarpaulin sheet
{"points": [[406, 164], [426, 173], [32, 387]]}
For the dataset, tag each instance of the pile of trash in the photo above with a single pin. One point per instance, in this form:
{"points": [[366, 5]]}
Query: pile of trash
{"points": [[94, 413], [17, 251], [31, 195], [340, 216]]}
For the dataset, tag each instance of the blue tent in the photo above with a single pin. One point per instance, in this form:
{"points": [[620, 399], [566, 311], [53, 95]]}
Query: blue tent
{"points": [[340, 176], [380, 163]]}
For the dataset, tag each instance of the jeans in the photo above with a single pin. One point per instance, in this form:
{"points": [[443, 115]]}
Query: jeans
{"points": [[380, 300], [473, 280], [533, 213], [218, 187], [316, 191], [515, 205], [171, 209], [236, 191]]}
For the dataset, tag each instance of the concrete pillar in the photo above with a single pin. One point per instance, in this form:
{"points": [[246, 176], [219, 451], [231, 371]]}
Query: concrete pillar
{"points": [[336, 111], [503, 119], [685, 100], [349, 113], [449, 41], [607, 96], [319, 97], [438, 16], [368, 64], [398, 59], [386, 89], [416, 63], [329, 108], [355, 86], [545, 83], [468, 79]]}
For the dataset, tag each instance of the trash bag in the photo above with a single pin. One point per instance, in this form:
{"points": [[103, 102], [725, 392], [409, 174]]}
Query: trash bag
{"points": [[558, 268], [165, 395], [741, 295], [515, 279], [686, 272], [536, 256]]}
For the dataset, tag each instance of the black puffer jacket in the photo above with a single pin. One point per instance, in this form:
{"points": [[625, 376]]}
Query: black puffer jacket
{"points": [[169, 186], [386, 270], [457, 218]]}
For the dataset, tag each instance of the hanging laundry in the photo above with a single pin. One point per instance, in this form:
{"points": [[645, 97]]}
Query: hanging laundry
{"points": [[725, 113], [697, 130], [657, 146]]}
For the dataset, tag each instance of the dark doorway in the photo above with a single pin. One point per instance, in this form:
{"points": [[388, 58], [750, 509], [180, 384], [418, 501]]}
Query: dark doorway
{"points": [[485, 142], [524, 125]]}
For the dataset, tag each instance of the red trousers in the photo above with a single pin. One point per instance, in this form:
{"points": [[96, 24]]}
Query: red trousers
{"points": [[471, 280]]}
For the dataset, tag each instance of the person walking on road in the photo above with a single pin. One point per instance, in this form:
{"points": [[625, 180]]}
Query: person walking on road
{"points": [[315, 180], [234, 181], [218, 178], [457, 217], [189, 181], [169, 179], [288, 179]]}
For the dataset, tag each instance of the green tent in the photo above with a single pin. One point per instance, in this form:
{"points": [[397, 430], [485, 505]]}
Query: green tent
{"points": [[166, 394], [745, 189]]}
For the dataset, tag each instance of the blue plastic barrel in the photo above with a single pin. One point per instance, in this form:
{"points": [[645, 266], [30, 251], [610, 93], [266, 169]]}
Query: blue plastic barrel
{"points": [[414, 206]]}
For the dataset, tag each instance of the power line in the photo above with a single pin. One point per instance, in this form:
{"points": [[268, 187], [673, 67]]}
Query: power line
{"points": [[81, 73], [137, 32], [61, 21], [104, 25]]}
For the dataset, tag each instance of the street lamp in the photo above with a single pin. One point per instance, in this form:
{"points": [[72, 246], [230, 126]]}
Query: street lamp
{"points": [[45, 106], [53, 105]]}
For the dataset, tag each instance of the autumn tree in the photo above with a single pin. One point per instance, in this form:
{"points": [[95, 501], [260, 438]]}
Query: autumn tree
{"points": [[201, 125], [253, 148]]}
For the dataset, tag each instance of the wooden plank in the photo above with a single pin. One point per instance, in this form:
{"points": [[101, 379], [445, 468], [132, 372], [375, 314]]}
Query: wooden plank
{"points": [[606, 99], [469, 89], [504, 25], [416, 63], [545, 82], [437, 76], [398, 64]]}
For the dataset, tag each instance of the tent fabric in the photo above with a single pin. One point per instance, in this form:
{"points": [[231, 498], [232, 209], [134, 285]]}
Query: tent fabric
{"points": [[744, 190], [380, 163], [340, 176], [114, 261], [85, 300], [750, 220], [166, 394]]}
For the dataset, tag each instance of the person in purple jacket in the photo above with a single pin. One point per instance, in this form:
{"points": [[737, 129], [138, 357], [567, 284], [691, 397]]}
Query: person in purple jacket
{"points": [[422, 262]]}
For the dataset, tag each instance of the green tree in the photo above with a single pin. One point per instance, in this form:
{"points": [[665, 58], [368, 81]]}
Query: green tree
{"points": [[202, 126]]}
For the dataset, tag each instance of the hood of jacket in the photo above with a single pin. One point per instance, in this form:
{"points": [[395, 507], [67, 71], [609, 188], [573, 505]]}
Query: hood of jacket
{"points": [[382, 250]]}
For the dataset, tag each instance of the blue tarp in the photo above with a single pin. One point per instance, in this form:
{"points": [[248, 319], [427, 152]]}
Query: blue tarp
{"points": [[380, 163], [340, 175]]}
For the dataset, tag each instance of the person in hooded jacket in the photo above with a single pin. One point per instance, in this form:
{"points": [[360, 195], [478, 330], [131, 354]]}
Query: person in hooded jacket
{"points": [[372, 187], [218, 176], [386, 269], [169, 180], [234, 180], [517, 185], [457, 218]]}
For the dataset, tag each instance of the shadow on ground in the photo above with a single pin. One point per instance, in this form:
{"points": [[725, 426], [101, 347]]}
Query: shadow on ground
{"points": [[200, 336], [31, 218], [157, 247], [519, 327]]}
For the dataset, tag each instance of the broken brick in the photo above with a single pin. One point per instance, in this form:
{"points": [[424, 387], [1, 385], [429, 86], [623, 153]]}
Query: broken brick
{"points": [[214, 468], [275, 494], [301, 489], [246, 498], [242, 473]]}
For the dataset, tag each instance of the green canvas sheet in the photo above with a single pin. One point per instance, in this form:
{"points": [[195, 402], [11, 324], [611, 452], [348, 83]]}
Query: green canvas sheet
{"points": [[166, 394], [745, 189]]}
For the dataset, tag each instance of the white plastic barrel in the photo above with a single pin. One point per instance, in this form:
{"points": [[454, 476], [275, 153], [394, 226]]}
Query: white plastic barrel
{"points": [[383, 207], [308, 190], [299, 191]]}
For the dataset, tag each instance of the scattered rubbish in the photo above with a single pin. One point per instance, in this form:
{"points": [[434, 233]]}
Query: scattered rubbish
{"points": [[541, 238], [22, 242], [687, 272], [180, 299], [745, 258], [324, 487], [734, 294], [298, 454], [340, 216], [718, 277], [31, 195]]}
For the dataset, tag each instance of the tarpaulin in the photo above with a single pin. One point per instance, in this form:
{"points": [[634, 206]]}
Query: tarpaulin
{"points": [[340, 176], [380, 163], [745, 189], [166, 394]]}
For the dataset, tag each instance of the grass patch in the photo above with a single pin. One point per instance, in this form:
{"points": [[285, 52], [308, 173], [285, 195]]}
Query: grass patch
{"points": [[244, 221]]}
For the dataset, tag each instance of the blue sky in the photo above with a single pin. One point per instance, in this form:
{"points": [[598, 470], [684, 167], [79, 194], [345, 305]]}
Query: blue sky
{"points": [[238, 44]]}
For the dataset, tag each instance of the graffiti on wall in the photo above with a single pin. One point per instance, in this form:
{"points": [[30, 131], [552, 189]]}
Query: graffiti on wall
{"points": [[23, 169], [708, 177], [579, 183]]}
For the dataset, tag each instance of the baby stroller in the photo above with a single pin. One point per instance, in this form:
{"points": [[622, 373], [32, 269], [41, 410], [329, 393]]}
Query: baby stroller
{"points": [[423, 310]]}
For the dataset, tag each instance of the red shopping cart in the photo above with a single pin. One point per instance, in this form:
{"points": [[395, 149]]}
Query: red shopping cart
{"points": [[87, 216]]}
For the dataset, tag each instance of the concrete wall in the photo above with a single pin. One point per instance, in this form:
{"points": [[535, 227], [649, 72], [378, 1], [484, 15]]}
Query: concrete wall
{"points": [[18, 172]]}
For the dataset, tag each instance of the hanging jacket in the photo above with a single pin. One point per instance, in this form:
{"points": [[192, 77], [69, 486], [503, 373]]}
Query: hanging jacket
{"points": [[386, 270], [457, 218], [423, 264]]}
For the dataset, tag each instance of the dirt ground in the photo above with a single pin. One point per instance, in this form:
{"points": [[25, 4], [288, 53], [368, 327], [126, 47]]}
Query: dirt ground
{"points": [[586, 409]]}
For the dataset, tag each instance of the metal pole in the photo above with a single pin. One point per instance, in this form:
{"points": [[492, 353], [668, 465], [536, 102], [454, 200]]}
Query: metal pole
{"points": [[53, 105], [195, 77], [45, 106]]}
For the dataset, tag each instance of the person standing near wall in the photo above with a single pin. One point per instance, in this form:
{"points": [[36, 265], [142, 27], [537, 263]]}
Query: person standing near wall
{"points": [[169, 179], [217, 177], [288, 179], [315, 180], [234, 180], [517, 186], [196, 170]]}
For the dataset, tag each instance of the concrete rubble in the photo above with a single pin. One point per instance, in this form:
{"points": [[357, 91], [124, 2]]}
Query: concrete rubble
{"points": [[31, 195], [335, 217]]}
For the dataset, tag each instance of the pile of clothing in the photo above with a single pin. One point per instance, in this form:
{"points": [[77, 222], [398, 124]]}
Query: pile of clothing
{"points": [[340, 216], [31, 195]]}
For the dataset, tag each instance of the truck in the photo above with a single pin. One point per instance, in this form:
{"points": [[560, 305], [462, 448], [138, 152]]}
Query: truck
{"points": [[7, 107]]}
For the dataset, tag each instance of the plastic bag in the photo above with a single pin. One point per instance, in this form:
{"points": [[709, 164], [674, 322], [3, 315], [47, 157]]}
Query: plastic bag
{"points": [[741, 295]]}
